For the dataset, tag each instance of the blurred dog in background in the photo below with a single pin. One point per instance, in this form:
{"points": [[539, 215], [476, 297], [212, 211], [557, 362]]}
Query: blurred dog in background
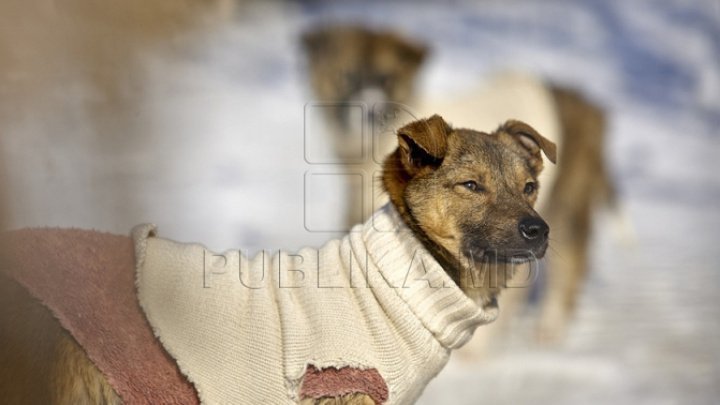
{"points": [[378, 71], [361, 77]]}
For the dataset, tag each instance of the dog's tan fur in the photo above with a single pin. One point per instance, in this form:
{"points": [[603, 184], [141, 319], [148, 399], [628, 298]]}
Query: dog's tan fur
{"points": [[350, 399], [427, 181], [41, 362]]}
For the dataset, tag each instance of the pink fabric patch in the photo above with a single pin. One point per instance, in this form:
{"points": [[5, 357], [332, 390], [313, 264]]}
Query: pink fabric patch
{"points": [[335, 382]]}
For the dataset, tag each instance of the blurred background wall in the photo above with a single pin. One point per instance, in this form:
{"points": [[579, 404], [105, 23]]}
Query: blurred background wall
{"points": [[189, 114]]}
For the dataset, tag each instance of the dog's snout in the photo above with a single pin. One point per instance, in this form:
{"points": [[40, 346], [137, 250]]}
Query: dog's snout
{"points": [[534, 229]]}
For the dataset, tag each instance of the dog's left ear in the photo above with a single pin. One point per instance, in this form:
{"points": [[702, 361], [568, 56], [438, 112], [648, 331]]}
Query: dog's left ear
{"points": [[530, 139], [423, 143]]}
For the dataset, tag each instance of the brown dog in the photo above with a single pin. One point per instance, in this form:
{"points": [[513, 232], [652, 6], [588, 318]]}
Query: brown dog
{"points": [[571, 191], [467, 196]]}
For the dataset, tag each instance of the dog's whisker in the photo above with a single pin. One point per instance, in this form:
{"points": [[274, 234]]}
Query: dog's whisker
{"points": [[556, 253]]}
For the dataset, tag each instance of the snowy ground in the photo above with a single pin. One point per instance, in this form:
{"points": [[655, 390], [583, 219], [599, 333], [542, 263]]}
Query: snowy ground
{"points": [[208, 145]]}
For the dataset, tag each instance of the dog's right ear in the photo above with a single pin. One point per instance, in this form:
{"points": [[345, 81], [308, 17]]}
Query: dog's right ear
{"points": [[423, 143]]}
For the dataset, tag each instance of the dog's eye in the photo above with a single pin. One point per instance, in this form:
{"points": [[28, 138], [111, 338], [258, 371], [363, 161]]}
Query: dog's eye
{"points": [[530, 187], [471, 185]]}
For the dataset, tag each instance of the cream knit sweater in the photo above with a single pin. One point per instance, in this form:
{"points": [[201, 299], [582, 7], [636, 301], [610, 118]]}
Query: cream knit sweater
{"points": [[244, 330]]}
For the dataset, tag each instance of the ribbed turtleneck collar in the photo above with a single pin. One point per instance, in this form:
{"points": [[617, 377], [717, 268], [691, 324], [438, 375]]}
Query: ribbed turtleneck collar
{"points": [[420, 281]]}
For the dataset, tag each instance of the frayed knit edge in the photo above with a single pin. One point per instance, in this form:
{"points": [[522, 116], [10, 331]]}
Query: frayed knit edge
{"points": [[140, 234]]}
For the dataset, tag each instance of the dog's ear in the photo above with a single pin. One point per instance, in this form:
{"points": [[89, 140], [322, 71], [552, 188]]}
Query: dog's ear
{"points": [[530, 139], [423, 143], [413, 53]]}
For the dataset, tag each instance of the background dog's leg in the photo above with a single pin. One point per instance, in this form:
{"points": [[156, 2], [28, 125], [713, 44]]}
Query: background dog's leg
{"points": [[568, 264], [350, 399], [582, 182]]}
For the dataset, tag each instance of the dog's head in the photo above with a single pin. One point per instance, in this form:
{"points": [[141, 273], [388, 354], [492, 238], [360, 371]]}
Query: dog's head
{"points": [[354, 64], [469, 195]]}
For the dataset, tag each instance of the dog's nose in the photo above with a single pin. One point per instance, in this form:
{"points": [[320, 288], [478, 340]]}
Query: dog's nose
{"points": [[534, 229]]}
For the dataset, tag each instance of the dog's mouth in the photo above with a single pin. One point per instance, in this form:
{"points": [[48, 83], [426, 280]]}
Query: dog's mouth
{"points": [[510, 256]]}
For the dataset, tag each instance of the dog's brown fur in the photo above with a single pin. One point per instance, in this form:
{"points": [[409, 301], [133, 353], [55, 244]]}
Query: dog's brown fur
{"points": [[464, 193]]}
